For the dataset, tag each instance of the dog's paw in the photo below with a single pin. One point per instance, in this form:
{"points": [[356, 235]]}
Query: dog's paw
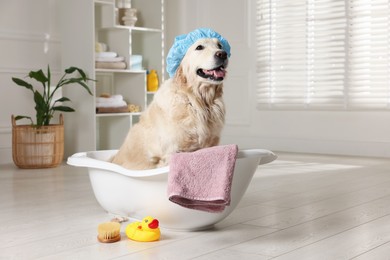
{"points": [[155, 160]]}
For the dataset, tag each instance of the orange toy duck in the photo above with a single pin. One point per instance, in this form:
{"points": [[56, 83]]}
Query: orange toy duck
{"points": [[145, 231]]}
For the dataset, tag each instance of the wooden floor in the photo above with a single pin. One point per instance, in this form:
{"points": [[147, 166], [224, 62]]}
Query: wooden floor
{"points": [[298, 207]]}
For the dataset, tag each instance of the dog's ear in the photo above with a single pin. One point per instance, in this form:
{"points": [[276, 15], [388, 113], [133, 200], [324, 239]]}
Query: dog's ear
{"points": [[180, 78]]}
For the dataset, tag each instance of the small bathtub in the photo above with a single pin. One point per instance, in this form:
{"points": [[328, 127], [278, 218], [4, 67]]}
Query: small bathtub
{"points": [[136, 194]]}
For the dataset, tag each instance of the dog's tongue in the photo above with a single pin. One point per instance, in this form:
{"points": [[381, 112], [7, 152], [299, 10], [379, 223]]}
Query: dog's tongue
{"points": [[216, 73]]}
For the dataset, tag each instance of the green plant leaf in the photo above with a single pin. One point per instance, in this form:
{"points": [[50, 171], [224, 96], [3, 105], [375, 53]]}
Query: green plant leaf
{"points": [[77, 81], [63, 109], [22, 117], [47, 95], [22, 83], [48, 75], [41, 108], [70, 70], [47, 119], [63, 99], [86, 87], [39, 101], [38, 76], [44, 105]]}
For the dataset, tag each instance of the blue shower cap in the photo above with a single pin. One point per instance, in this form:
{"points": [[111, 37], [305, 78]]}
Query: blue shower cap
{"points": [[184, 41]]}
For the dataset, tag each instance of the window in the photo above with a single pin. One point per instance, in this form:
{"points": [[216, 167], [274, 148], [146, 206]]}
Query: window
{"points": [[323, 54]]}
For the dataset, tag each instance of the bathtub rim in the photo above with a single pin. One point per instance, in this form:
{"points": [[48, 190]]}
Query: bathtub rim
{"points": [[83, 159]]}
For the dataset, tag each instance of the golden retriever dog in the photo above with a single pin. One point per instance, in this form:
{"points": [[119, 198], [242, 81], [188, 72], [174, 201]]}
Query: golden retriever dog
{"points": [[186, 114]]}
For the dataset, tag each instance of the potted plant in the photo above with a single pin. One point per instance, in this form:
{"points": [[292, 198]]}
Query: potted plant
{"points": [[41, 144]]}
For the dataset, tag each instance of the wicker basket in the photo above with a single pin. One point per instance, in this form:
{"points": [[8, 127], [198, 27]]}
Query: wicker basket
{"points": [[37, 147]]}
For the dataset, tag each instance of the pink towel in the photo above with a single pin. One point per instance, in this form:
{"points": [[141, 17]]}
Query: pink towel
{"points": [[202, 179]]}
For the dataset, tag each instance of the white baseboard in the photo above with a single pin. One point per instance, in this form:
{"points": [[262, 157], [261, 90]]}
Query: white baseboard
{"points": [[334, 147]]}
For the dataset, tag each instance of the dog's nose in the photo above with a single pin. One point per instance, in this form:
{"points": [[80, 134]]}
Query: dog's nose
{"points": [[222, 55]]}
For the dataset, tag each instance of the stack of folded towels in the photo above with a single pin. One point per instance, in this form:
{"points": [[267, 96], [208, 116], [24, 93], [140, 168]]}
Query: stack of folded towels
{"points": [[111, 104], [107, 59]]}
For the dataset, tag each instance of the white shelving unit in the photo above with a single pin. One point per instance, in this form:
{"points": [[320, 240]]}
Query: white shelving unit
{"points": [[89, 21]]}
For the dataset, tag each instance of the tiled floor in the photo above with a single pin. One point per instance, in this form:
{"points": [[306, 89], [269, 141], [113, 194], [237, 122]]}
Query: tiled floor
{"points": [[298, 207]]}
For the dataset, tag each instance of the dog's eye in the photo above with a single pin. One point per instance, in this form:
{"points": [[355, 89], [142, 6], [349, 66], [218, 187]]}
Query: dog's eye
{"points": [[219, 46], [199, 47]]}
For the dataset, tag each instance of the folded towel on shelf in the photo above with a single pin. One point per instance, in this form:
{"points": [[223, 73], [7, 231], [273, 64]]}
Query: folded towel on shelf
{"points": [[111, 104], [110, 65], [105, 54], [112, 101], [202, 179], [122, 109], [112, 98], [110, 59]]}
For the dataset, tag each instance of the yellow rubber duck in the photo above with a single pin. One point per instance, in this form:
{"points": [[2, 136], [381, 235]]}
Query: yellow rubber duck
{"points": [[145, 231]]}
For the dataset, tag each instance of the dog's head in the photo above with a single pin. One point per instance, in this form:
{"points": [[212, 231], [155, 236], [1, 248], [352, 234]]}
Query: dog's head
{"points": [[204, 62]]}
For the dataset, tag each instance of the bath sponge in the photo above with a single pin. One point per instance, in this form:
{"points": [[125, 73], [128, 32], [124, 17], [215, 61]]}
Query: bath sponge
{"points": [[109, 232], [184, 41]]}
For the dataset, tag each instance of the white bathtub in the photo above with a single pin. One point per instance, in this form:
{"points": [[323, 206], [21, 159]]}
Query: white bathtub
{"points": [[136, 194]]}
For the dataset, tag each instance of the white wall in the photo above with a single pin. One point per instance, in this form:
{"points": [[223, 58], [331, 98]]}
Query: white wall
{"points": [[333, 132], [29, 41]]}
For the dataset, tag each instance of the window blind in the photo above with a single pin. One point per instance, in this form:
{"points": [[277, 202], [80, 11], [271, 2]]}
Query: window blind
{"points": [[323, 54]]}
